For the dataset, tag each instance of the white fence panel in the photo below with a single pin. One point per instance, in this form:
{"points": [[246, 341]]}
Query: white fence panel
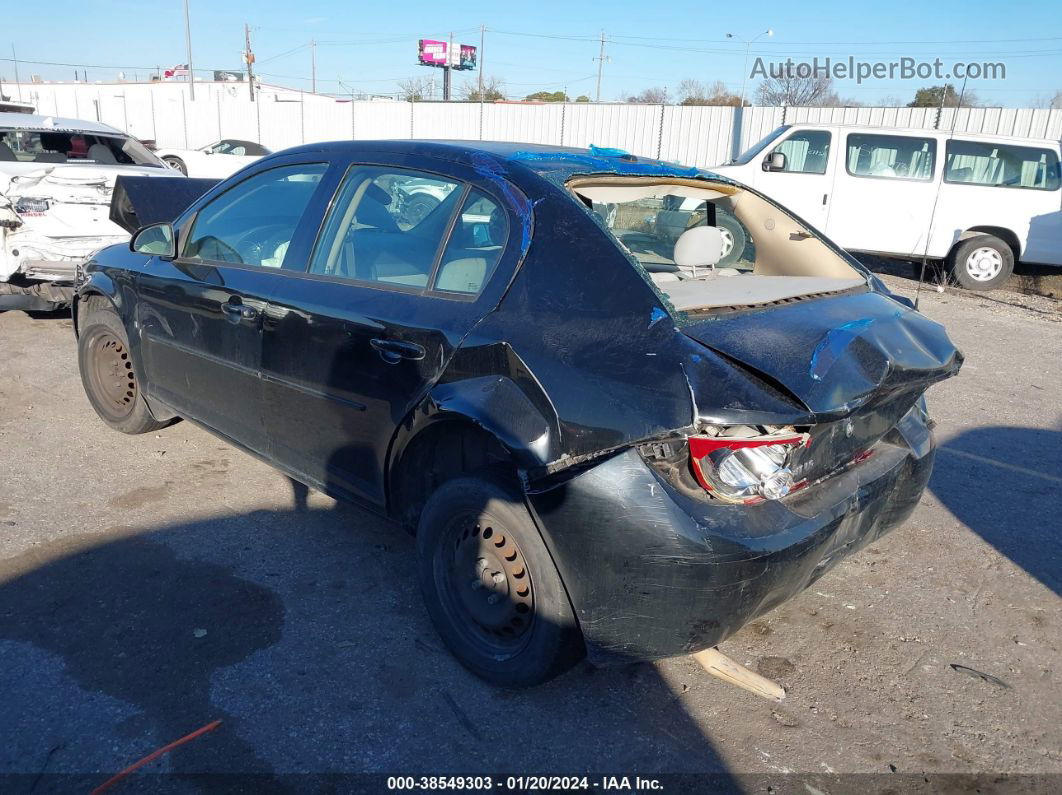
{"points": [[449, 120], [697, 136], [633, 128], [282, 124], [327, 121], [239, 120], [533, 124], [375, 120]]}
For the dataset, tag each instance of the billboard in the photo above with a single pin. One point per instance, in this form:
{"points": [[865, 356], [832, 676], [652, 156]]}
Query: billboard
{"points": [[437, 53], [432, 53]]}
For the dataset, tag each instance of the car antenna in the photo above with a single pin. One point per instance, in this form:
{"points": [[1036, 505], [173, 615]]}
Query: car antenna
{"points": [[936, 197]]}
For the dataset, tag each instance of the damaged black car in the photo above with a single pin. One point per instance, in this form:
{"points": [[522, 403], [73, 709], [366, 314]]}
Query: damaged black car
{"points": [[625, 406]]}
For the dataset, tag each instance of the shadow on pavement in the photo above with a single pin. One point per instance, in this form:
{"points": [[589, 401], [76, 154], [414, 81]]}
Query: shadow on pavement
{"points": [[1005, 484], [304, 632]]}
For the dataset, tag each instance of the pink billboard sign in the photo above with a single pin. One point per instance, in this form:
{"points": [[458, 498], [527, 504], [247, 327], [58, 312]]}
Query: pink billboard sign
{"points": [[432, 53]]}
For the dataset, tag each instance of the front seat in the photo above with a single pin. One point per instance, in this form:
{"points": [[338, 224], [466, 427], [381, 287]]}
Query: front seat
{"points": [[6, 153], [100, 153]]}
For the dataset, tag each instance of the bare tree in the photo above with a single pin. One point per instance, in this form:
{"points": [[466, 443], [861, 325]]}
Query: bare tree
{"points": [[651, 96], [493, 90], [789, 89], [415, 89], [694, 92]]}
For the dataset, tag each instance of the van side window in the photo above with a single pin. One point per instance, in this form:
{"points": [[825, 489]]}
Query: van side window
{"points": [[806, 152], [1000, 165], [386, 226], [891, 156]]}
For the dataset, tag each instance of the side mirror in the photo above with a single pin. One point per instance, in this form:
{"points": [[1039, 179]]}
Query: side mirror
{"points": [[775, 161], [157, 240]]}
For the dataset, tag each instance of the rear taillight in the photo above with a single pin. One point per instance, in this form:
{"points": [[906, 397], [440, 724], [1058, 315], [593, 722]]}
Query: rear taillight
{"points": [[746, 469]]}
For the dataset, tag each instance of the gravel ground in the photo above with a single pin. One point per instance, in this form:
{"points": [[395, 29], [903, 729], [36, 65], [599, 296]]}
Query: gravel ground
{"points": [[152, 584]]}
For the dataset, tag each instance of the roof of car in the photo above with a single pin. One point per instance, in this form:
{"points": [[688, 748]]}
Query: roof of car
{"points": [[29, 121], [546, 160]]}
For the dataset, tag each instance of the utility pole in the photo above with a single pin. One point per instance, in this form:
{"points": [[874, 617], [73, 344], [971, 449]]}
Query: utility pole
{"points": [[447, 68], [600, 65], [479, 60], [17, 81], [748, 45], [188, 42], [313, 66], [248, 58]]}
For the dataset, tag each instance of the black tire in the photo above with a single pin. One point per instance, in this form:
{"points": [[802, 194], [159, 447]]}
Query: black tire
{"points": [[105, 361], [730, 226], [176, 163], [983, 262], [417, 208], [476, 542]]}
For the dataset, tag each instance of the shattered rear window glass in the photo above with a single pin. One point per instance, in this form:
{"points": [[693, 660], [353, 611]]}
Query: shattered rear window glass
{"points": [[43, 146]]}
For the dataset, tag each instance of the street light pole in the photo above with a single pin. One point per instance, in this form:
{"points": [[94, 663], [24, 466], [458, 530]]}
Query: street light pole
{"points": [[188, 42], [748, 46]]}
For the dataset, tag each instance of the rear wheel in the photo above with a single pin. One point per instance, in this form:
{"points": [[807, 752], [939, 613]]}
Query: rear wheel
{"points": [[734, 238], [983, 262], [107, 373], [490, 585], [177, 163]]}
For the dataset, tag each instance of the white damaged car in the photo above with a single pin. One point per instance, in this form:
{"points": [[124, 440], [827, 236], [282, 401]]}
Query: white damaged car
{"points": [[56, 180]]}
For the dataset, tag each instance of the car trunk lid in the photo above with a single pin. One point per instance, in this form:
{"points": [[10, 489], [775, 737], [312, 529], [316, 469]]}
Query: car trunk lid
{"points": [[833, 353]]}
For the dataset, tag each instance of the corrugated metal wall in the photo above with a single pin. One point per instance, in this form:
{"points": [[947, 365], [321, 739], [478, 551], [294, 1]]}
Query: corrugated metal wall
{"points": [[700, 136]]}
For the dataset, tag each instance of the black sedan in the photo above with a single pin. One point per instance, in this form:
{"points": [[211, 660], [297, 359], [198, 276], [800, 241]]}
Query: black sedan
{"points": [[614, 430]]}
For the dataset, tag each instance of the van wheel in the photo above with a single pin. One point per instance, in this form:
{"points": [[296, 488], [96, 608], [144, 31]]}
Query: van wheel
{"points": [[734, 239], [107, 373], [490, 585], [983, 262]]}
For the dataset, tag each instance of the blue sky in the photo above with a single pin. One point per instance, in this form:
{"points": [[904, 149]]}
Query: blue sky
{"points": [[371, 46]]}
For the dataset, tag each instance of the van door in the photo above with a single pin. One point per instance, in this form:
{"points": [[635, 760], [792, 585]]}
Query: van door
{"points": [[883, 193], [802, 185]]}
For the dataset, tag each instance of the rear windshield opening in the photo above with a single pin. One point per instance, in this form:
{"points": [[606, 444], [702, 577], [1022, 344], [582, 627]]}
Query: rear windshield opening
{"points": [[752, 252], [34, 146]]}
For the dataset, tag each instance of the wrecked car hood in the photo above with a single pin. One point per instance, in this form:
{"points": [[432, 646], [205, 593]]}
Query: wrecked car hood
{"points": [[835, 353]]}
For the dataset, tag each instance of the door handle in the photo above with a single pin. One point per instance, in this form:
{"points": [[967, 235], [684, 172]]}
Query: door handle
{"points": [[237, 312], [824, 200], [393, 350]]}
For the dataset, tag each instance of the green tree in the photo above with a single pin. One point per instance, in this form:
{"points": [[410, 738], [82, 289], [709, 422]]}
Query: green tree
{"points": [[547, 96], [931, 97], [582, 98]]}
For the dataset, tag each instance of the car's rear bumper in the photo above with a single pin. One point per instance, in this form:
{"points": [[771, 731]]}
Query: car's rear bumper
{"points": [[653, 573]]}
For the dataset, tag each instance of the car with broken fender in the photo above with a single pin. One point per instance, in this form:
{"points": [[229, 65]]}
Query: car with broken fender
{"points": [[56, 178], [605, 442]]}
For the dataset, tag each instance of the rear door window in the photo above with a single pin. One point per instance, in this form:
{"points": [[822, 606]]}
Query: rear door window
{"points": [[386, 226], [475, 246], [891, 156], [1001, 165]]}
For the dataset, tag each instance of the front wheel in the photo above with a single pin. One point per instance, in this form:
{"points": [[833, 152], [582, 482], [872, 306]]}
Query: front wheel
{"points": [[490, 585], [107, 373], [983, 262]]}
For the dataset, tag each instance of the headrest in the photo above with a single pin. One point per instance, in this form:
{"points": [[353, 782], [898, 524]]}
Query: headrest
{"points": [[699, 247], [102, 154]]}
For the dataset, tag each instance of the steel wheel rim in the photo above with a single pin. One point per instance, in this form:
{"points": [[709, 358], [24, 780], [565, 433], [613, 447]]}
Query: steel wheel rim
{"points": [[485, 584], [111, 372], [984, 264]]}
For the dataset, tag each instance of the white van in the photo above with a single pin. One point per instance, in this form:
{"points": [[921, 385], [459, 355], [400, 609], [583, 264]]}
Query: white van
{"points": [[984, 201]]}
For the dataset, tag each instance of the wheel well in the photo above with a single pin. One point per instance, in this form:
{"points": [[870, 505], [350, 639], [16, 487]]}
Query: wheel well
{"points": [[90, 300], [435, 455], [1002, 233]]}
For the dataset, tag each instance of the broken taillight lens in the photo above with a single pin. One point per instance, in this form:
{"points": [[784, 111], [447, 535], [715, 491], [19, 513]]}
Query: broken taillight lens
{"points": [[745, 469]]}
